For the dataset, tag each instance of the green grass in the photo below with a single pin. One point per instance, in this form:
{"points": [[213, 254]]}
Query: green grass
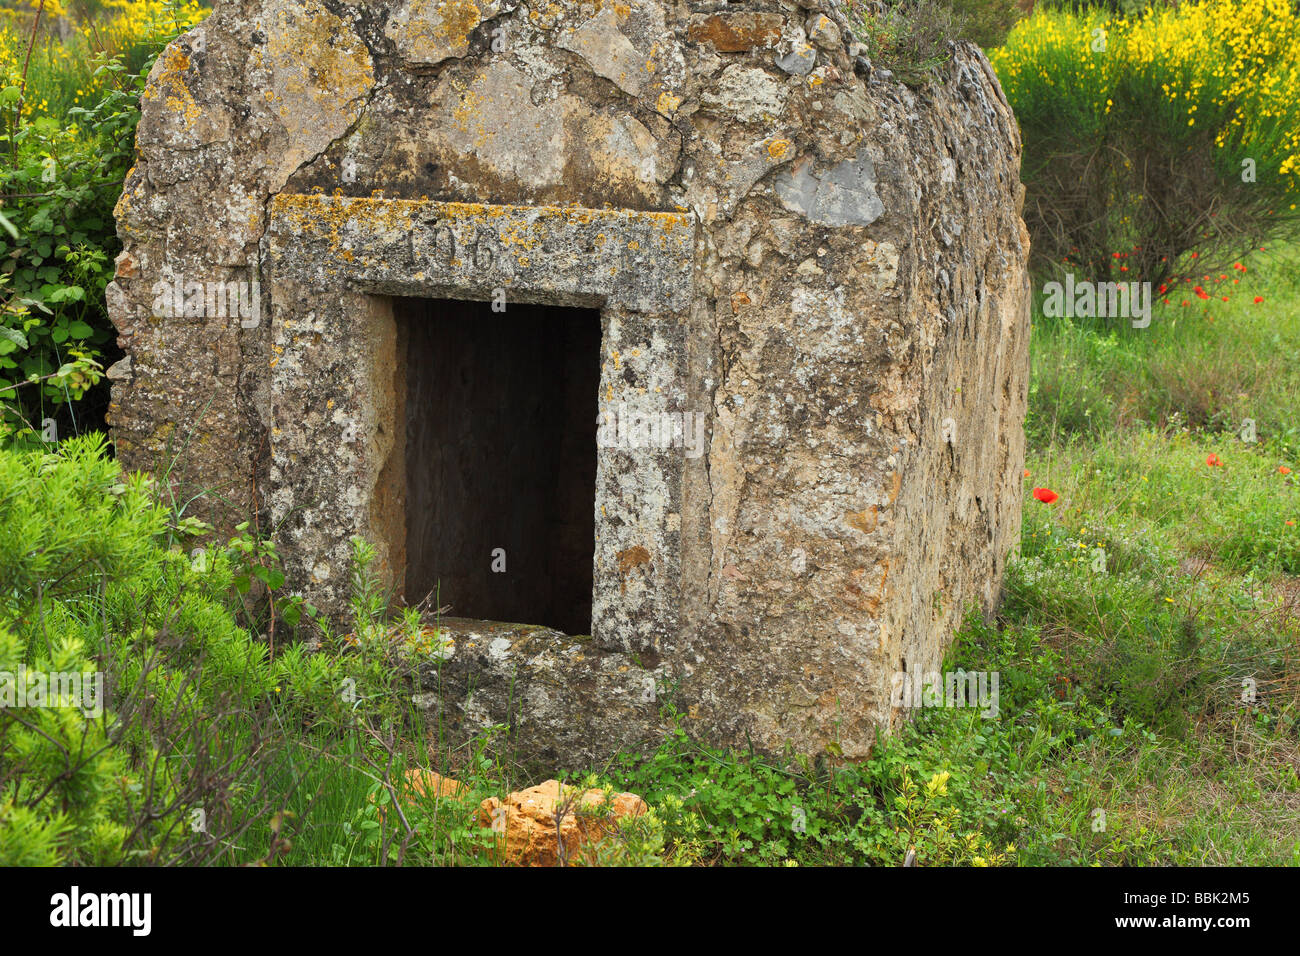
{"points": [[1201, 590], [1209, 364]]}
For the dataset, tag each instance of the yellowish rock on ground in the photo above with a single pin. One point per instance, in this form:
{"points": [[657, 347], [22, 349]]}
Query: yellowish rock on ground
{"points": [[526, 828]]}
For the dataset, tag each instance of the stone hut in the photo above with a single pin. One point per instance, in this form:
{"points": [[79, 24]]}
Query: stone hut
{"points": [[677, 336]]}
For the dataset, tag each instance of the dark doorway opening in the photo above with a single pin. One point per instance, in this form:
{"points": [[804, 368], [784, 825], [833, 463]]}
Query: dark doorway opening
{"points": [[501, 454]]}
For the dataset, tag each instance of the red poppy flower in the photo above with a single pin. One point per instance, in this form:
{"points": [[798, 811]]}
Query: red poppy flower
{"points": [[1283, 470], [1201, 293], [1045, 495], [1026, 472], [1163, 288], [1259, 299], [1213, 460]]}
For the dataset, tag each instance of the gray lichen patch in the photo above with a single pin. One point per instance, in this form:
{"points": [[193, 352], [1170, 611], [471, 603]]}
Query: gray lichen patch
{"points": [[844, 195]]}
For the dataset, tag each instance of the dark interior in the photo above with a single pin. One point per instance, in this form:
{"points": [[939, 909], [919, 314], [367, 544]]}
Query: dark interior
{"points": [[501, 453]]}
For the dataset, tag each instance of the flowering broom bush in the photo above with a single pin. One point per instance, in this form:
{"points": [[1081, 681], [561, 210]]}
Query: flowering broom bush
{"points": [[1158, 136]]}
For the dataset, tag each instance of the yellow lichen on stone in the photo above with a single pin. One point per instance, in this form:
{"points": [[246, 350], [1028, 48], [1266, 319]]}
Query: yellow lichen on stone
{"points": [[430, 31], [779, 148], [320, 73], [668, 103], [548, 17], [521, 228], [169, 87]]}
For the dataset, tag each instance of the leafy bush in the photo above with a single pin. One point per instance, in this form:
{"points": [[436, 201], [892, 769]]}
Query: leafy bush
{"points": [[1161, 146], [66, 523], [69, 113], [63, 785], [179, 763]]}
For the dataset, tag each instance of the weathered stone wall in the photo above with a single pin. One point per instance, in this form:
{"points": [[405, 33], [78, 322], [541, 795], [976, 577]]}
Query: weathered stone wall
{"points": [[857, 330]]}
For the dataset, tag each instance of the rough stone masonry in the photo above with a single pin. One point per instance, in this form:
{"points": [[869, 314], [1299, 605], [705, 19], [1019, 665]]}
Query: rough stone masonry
{"points": [[827, 265]]}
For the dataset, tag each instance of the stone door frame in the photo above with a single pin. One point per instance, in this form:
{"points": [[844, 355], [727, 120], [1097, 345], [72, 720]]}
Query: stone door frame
{"points": [[337, 436]]}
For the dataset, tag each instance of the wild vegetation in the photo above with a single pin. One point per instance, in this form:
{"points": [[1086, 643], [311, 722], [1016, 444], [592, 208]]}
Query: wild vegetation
{"points": [[1147, 644], [912, 38], [70, 81]]}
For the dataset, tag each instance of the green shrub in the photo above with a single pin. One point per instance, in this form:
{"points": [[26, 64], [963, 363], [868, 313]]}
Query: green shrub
{"points": [[59, 259], [63, 782], [68, 522], [195, 706], [215, 745]]}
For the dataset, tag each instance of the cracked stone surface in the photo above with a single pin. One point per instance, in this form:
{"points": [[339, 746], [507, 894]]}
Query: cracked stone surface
{"points": [[847, 273]]}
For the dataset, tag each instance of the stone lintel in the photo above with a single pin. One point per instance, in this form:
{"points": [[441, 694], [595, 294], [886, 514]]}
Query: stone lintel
{"points": [[561, 255]]}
